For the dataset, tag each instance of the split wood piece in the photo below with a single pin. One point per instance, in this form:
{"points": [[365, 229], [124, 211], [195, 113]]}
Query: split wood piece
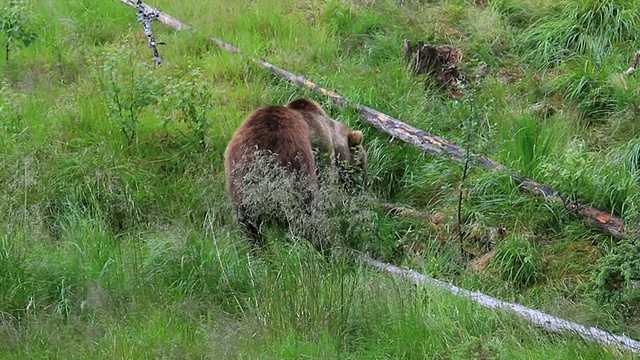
{"points": [[634, 64], [480, 263], [538, 318], [421, 139], [400, 211]]}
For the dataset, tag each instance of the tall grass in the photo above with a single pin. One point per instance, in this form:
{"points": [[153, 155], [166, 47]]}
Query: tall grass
{"points": [[587, 85], [571, 28]]}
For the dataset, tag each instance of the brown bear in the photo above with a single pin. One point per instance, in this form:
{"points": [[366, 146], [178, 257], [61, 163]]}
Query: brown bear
{"points": [[276, 153]]}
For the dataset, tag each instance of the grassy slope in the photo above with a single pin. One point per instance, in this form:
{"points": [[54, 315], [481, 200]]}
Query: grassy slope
{"points": [[109, 249]]}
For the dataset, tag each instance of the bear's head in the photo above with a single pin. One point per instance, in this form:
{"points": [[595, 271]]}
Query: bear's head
{"points": [[357, 152], [343, 145], [351, 157]]}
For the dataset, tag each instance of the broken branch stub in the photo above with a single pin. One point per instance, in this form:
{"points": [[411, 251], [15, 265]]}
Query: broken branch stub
{"points": [[145, 16], [433, 144], [162, 16]]}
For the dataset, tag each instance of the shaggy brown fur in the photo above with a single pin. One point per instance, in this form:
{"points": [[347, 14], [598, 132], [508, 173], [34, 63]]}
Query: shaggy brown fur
{"points": [[330, 136], [289, 135]]}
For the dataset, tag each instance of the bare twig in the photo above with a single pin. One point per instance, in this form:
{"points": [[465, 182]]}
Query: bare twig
{"points": [[465, 169], [538, 318], [421, 139]]}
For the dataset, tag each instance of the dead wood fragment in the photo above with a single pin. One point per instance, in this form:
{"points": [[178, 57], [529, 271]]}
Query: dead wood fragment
{"points": [[450, 79], [542, 110], [145, 16], [400, 211], [538, 318], [437, 61], [448, 54], [423, 140], [480, 263], [634, 64], [481, 72], [425, 59], [422, 58]]}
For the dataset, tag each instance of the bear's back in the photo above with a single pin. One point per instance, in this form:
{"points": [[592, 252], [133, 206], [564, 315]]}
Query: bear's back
{"points": [[274, 129]]}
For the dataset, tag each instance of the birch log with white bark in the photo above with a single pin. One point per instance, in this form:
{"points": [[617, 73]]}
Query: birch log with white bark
{"points": [[538, 318]]}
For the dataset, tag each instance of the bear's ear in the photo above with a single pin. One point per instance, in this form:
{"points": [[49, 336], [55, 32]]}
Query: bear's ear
{"points": [[354, 138], [305, 105]]}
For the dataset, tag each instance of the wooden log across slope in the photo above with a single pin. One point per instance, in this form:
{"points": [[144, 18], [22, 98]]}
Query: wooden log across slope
{"points": [[538, 318], [421, 139]]}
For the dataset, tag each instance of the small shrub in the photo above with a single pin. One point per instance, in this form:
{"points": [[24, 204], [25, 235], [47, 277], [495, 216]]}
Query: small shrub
{"points": [[187, 100], [127, 88], [15, 26], [616, 279]]}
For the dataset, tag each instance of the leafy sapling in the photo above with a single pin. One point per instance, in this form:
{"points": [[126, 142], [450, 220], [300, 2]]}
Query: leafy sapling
{"points": [[15, 27]]}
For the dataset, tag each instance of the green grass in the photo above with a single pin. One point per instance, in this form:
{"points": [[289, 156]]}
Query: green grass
{"points": [[122, 243]]}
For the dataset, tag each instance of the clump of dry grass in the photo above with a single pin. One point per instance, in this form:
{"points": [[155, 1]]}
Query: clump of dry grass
{"points": [[324, 211]]}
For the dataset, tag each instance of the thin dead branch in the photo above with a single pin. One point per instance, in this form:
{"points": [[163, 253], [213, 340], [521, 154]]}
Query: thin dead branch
{"points": [[162, 16]]}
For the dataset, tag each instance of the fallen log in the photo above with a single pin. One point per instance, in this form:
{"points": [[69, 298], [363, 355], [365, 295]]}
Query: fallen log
{"points": [[538, 318], [420, 139]]}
